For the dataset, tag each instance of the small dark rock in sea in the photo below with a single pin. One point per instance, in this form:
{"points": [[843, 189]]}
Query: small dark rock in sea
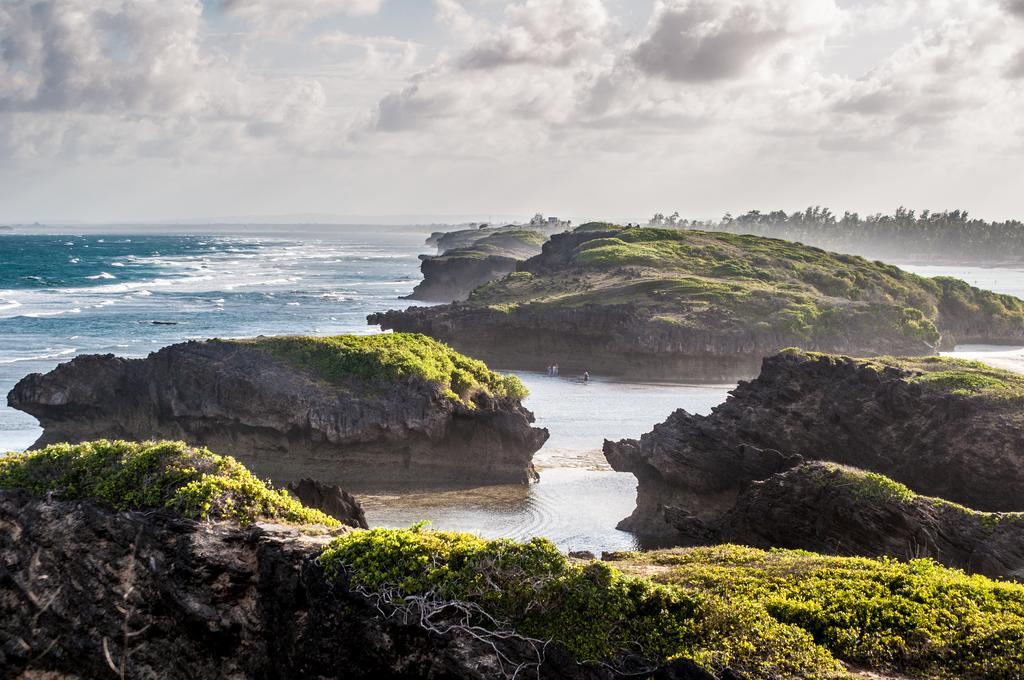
{"points": [[331, 500]]}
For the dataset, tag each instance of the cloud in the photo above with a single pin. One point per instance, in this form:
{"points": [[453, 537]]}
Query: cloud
{"points": [[712, 40], [99, 55], [548, 32], [113, 78], [1015, 7], [288, 15], [381, 53]]}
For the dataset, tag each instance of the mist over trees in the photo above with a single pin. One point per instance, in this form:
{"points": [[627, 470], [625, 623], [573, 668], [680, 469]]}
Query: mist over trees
{"points": [[906, 234]]}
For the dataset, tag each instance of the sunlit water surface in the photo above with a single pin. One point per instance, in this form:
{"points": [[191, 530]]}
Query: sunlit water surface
{"points": [[130, 294]]}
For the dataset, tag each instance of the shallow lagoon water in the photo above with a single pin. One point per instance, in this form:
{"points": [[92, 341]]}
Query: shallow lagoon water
{"points": [[130, 294], [579, 499]]}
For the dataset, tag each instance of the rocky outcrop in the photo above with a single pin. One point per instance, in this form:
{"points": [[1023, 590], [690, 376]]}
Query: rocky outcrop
{"points": [[830, 509], [742, 473], [447, 278], [331, 500], [457, 272], [84, 590], [689, 305], [287, 420]]}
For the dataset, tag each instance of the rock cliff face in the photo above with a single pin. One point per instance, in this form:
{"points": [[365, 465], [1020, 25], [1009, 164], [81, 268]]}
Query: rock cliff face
{"points": [[289, 418], [944, 428], [692, 305], [84, 589], [457, 272], [447, 278], [831, 509]]}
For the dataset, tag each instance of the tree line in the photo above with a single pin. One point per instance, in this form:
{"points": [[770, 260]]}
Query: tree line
{"points": [[948, 235]]}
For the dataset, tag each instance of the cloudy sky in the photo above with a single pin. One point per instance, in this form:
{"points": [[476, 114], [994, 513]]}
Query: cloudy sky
{"points": [[151, 110]]}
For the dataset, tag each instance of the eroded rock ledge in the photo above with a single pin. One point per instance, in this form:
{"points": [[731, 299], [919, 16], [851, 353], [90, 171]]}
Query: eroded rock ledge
{"points": [[208, 601], [948, 430], [455, 273], [337, 410]]}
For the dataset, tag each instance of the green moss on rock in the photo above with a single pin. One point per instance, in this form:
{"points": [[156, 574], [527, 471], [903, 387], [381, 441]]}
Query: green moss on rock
{"points": [[380, 360], [960, 377], [191, 482]]}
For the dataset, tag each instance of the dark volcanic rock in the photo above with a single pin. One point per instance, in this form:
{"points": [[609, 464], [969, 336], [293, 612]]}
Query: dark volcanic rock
{"points": [[283, 421], [457, 272], [827, 508], [80, 584], [737, 475], [331, 500], [449, 277]]}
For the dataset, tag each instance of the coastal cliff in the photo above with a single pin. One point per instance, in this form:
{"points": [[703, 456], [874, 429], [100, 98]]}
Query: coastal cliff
{"points": [[457, 272], [162, 561], [947, 429], [692, 305], [379, 410]]}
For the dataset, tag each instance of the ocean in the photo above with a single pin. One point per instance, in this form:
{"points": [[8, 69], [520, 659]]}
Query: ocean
{"points": [[130, 293]]}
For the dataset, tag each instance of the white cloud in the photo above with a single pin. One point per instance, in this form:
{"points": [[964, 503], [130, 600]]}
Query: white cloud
{"points": [[550, 32], [100, 55]]}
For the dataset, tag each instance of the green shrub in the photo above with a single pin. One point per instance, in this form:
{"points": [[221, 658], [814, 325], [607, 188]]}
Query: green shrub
{"points": [[916, 618], [379, 360], [192, 482], [596, 611]]}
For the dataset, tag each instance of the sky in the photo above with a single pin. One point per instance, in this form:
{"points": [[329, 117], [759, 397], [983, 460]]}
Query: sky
{"points": [[163, 110]]}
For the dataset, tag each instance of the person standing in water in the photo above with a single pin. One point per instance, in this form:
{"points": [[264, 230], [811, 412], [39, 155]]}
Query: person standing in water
{"points": [[586, 376]]}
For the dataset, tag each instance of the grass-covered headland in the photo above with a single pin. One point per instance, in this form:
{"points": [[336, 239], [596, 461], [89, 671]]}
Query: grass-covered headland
{"points": [[377, 361], [778, 614], [520, 244], [696, 279], [191, 482]]}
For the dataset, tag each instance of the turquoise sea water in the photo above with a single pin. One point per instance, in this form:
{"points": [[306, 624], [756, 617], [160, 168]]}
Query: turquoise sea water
{"points": [[132, 293]]}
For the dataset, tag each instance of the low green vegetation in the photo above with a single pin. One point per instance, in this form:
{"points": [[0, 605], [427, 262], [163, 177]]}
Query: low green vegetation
{"points": [[380, 360], [597, 612], [191, 482], [916, 618], [518, 244], [597, 226], [777, 614], [751, 284]]}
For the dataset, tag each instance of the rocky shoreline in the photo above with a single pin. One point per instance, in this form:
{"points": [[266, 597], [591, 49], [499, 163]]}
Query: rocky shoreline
{"points": [[285, 415], [948, 430]]}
